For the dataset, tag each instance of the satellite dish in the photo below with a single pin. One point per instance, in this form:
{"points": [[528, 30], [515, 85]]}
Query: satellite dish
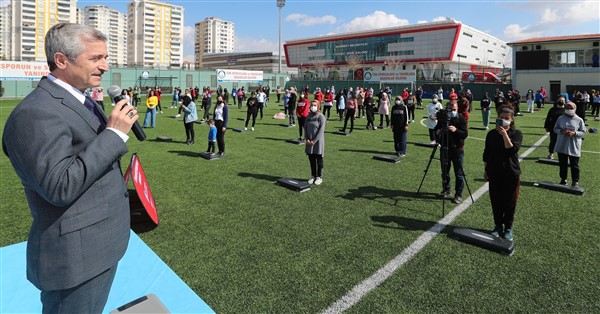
{"points": [[145, 74]]}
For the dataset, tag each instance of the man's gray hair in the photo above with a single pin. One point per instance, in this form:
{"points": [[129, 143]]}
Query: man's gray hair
{"points": [[70, 39]]}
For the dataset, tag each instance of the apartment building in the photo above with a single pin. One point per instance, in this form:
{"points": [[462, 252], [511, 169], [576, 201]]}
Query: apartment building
{"points": [[5, 21], [114, 25], [213, 35], [154, 34], [31, 20]]}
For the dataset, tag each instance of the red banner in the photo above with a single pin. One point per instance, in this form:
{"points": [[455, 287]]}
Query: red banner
{"points": [[142, 188]]}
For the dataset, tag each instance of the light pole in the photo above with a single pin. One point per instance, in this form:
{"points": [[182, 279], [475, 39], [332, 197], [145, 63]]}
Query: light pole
{"points": [[280, 5]]}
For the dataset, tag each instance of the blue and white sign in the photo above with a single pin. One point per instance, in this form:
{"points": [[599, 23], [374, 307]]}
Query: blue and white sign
{"points": [[224, 75]]}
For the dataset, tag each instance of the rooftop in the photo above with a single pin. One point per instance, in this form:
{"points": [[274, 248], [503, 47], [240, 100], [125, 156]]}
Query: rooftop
{"points": [[556, 39]]}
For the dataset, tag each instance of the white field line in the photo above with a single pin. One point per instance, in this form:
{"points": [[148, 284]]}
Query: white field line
{"points": [[353, 296]]}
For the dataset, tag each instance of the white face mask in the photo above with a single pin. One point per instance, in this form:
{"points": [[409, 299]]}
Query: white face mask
{"points": [[301, 95], [454, 114], [506, 122], [570, 112], [398, 103], [435, 101], [313, 109]]}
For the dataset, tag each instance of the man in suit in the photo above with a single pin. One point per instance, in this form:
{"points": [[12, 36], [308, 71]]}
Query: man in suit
{"points": [[66, 153]]}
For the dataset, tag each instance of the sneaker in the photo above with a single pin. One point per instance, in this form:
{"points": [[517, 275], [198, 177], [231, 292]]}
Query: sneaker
{"points": [[551, 156], [245, 129], [311, 180], [177, 116], [444, 193], [508, 235], [457, 200], [402, 155], [575, 184], [161, 111], [497, 231], [252, 128], [300, 139], [318, 181], [563, 182]]}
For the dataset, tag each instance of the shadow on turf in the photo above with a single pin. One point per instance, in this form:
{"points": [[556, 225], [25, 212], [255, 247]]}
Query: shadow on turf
{"points": [[404, 223], [398, 197], [367, 151], [265, 177], [185, 153], [270, 138]]}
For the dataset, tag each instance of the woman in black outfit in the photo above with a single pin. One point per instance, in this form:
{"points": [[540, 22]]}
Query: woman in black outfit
{"points": [[252, 105], [502, 170]]}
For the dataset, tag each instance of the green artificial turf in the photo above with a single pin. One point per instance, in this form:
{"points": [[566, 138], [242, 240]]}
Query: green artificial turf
{"points": [[246, 245]]}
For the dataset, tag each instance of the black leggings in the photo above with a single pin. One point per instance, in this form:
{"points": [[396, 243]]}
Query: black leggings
{"points": [[411, 113], [301, 121], [565, 162], [260, 108], [387, 120], [189, 130], [253, 114], [327, 111], [504, 192], [220, 136], [316, 165], [349, 115]]}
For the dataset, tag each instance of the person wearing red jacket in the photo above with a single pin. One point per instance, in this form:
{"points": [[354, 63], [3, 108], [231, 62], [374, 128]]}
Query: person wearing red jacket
{"points": [[302, 109], [405, 95], [319, 95], [328, 103]]}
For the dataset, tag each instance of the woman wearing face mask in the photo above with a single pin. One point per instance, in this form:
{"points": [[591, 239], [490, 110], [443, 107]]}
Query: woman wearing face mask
{"points": [[570, 129], [351, 106], [315, 142], [553, 114], [221, 116], [502, 170], [302, 112]]}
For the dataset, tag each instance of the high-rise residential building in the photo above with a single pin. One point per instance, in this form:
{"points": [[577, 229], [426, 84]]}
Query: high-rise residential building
{"points": [[213, 35], [154, 34], [5, 21], [114, 25], [31, 20]]}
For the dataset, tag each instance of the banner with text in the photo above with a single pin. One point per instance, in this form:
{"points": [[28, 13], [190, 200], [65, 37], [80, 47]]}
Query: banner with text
{"points": [[224, 75], [22, 70], [390, 76]]}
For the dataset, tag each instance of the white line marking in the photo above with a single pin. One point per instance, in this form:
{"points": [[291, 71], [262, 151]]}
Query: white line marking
{"points": [[353, 296], [587, 151]]}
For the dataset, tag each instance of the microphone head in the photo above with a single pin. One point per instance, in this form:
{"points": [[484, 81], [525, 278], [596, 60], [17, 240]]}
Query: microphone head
{"points": [[114, 91]]}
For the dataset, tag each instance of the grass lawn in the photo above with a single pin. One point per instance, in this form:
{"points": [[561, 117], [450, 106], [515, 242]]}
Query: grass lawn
{"points": [[246, 245]]}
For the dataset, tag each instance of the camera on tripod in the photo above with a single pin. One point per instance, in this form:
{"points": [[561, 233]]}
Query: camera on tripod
{"points": [[443, 117]]}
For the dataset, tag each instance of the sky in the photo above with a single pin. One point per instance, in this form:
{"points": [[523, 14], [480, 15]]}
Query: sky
{"points": [[257, 21]]}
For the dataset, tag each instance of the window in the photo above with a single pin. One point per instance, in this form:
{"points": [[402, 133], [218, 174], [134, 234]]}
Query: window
{"points": [[567, 57], [467, 34], [473, 46]]}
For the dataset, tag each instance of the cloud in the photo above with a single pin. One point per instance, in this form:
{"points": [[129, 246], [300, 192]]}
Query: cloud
{"points": [[516, 32], [422, 21], [552, 17], [375, 20], [439, 19], [305, 20], [248, 44]]}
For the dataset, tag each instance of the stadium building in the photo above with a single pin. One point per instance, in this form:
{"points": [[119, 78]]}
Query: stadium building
{"points": [[560, 64], [439, 51]]}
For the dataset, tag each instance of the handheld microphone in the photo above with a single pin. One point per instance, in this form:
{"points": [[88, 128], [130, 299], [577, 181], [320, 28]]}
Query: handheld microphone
{"points": [[115, 93]]}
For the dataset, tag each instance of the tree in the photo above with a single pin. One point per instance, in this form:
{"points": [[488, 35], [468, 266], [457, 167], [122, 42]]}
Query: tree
{"points": [[354, 62]]}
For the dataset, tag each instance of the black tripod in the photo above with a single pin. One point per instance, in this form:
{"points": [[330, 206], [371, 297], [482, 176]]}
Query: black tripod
{"points": [[445, 166]]}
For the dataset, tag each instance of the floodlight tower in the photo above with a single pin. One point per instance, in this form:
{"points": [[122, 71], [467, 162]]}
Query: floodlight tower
{"points": [[280, 5]]}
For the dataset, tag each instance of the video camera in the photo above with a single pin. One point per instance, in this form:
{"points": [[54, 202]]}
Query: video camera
{"points": [[443, 116]]}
